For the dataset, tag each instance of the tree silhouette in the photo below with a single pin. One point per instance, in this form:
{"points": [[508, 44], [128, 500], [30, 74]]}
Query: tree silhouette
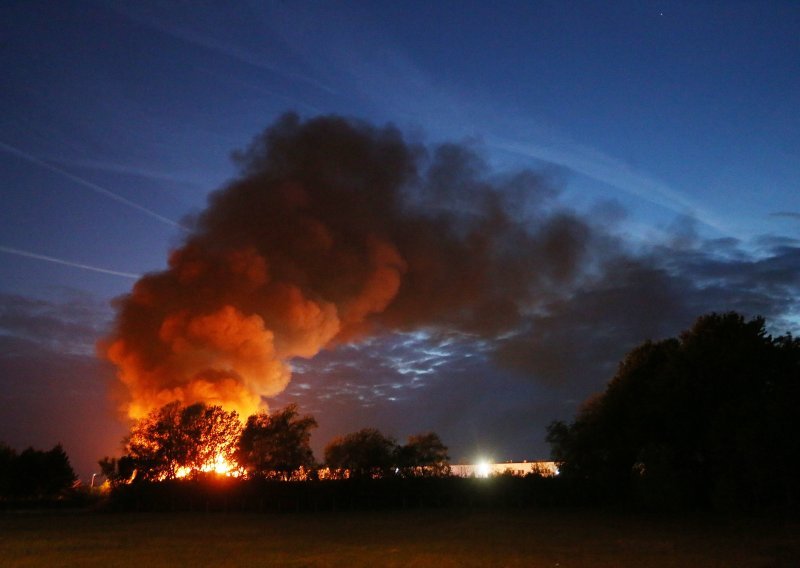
{"points": [[276, 445], [35, 474], [364, 454], [423, 455], [705, 419]]}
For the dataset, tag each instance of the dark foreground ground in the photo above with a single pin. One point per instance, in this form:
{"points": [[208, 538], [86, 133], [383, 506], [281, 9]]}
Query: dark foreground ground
{"points": [[418, 538]]}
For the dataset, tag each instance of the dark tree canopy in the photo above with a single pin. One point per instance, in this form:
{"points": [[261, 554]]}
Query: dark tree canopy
{"points": [[705, 419], [423, 455], [35, 474], [277, 444], [366, 453]]}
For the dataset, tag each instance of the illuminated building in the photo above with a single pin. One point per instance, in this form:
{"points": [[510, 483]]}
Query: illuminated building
{"points": [[486, 469]]}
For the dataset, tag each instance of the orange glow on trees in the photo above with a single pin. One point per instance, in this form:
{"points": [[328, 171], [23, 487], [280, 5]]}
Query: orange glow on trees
{"points": [[174, 442]]}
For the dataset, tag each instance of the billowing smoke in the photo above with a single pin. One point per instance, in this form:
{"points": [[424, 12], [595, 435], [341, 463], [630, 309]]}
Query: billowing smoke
{"points": [[336, 230]]}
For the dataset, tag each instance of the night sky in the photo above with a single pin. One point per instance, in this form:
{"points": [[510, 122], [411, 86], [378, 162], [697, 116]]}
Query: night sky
{"points": [[644, 158]]}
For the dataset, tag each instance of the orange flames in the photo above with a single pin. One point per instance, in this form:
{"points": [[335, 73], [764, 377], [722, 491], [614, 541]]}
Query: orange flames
{"points": [[179, 441], [219, 465]]}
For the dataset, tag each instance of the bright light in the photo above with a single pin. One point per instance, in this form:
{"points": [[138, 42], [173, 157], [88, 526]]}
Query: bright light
{"points": [[219, 465], [483, 469]]}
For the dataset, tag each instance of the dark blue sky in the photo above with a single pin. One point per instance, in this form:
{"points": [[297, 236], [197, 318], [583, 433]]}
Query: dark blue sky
{"points": [[671, 128]]}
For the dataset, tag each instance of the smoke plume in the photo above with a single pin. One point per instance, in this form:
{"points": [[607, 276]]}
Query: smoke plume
{"points": [[336, 230]]}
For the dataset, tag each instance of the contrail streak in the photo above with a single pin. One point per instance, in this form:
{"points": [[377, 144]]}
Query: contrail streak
{"points": [[27, 254], [609, 170], [86, 183]]}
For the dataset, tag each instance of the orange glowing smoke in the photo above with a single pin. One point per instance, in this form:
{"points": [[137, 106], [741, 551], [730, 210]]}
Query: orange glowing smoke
{"points": [[221, 330]]}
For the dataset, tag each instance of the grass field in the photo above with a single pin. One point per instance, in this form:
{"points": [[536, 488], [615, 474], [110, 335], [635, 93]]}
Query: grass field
{"points": [[420, 538]]}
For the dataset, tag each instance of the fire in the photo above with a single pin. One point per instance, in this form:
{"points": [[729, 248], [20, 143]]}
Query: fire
{"points": [[219, 466], [181, 441]]}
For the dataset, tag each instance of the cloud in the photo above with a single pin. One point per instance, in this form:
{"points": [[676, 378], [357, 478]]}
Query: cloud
{"points": [[496, 397], [409, 383], [70, 325]]}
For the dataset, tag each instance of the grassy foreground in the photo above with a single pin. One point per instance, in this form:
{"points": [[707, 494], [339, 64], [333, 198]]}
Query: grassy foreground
{"points": [[420, 538]]}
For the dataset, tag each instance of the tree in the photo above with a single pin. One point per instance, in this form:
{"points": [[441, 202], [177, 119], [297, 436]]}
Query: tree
{"points": [[423, 455], [156, 444], [59, 475], [176, 441], [37, 474], [277, 444], [213, 435], [705, 419], [366, 453]]}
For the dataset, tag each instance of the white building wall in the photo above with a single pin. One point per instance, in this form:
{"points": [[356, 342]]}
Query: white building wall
{"points": [[545, 468]]}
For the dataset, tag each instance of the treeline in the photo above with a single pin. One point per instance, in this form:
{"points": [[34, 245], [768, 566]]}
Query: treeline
{"points": [[35, 475], [706, 420], [176, 442]]}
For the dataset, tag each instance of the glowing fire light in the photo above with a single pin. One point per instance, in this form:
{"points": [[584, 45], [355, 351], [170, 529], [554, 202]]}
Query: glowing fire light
{"points": [[483, 469], [183, 442], [219, 466]]}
